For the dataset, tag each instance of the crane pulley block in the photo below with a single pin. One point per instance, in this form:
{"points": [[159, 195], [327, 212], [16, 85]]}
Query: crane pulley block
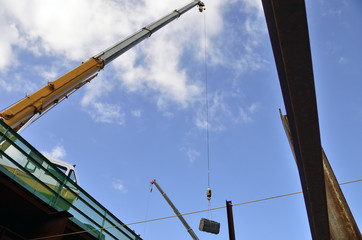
{"points": [[208, 194], [201, 6]]}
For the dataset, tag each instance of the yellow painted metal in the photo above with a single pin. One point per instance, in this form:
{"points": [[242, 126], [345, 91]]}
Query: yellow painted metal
{"points": [[18, 114]]}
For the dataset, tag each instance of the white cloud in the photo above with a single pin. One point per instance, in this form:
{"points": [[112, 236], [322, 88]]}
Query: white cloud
{"points": [[332, 12], [342, 60], [157, 68], [254, 107], [217, 112], [5, 85], [50, 75], [80, 34], [136, 113], [8, 37], [69, 28], [76, 30], [253, 6], [192, 155], [97, 88], [243, 116], [17, 83], [118, 185], [235, 46], [160, 74], [98, 110], [221, 113], [57, 152], [106, 113]]}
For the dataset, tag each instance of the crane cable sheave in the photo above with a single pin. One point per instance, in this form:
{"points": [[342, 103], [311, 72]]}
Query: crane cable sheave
{"points": [[22, 113], [201, 6]]}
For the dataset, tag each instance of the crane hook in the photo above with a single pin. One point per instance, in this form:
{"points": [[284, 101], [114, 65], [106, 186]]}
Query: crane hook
{"points": [[208, 194]]}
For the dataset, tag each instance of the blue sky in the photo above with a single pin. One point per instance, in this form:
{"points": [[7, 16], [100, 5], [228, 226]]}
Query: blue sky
{"points": [[144, 117]]}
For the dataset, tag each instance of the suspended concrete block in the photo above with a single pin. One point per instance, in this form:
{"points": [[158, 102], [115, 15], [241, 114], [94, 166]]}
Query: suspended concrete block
{"points": [[209, 226]]}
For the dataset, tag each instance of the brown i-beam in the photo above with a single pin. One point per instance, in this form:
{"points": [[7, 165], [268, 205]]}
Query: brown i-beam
{"points": [[229, 210]]}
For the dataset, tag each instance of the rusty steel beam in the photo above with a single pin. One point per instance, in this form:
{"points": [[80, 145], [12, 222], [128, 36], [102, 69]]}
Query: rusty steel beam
{"points": [[288, 31], [229, 212], [341, 222]]}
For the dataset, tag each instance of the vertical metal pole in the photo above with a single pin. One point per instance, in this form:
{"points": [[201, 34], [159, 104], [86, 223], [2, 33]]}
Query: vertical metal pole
{"points": [[229, 210]]}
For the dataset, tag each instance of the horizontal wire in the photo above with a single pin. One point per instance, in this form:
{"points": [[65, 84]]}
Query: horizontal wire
{"points": [[184, 214]]}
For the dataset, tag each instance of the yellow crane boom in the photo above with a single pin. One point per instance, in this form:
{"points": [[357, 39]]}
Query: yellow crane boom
{"points": [[22, 112]]}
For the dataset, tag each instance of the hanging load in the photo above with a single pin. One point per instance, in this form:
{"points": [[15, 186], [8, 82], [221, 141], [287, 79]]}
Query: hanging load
{"points": [[209, 226]]}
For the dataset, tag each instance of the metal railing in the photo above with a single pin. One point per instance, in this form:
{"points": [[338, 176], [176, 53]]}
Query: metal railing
{"points": [[28, 167]]}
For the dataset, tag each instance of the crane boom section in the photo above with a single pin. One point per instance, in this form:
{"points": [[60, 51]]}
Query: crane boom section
{"points": [[118, 49], [23, 111], [18, 114], [178, 214]]}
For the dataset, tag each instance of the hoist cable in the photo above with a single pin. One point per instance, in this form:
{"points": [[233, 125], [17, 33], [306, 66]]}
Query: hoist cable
{"points": [[207, 105], [208, 192], [184, 214]]}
